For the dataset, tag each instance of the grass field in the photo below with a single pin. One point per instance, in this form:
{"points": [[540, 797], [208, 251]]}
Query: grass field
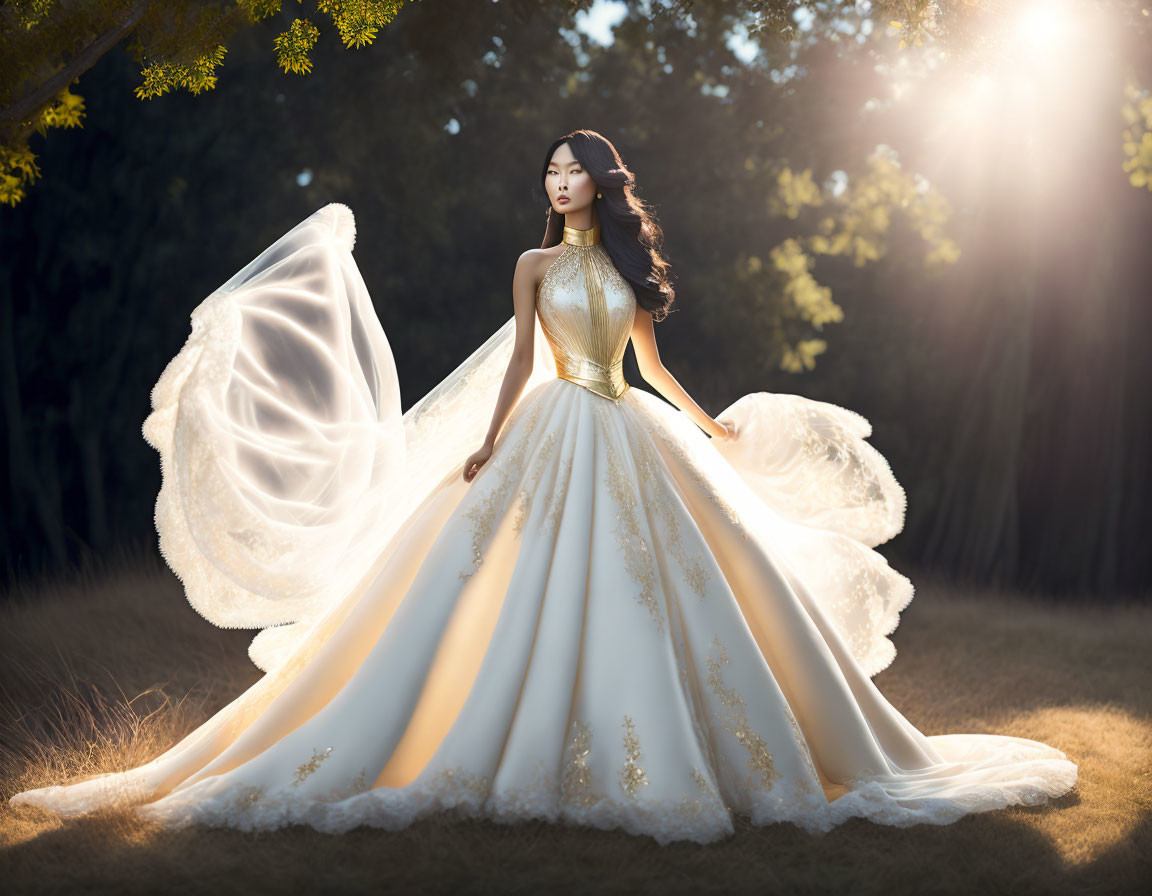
{"points": [[106, 670]]}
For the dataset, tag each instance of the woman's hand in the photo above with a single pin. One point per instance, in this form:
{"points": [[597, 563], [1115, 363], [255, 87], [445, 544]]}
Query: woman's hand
{"points": [[475, 461], [730, 431]]}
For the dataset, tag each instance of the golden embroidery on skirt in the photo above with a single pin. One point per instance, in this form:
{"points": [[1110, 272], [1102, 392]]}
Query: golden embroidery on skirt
{"points": [[703, 784], [637, 555], [483, 513], [694, 808], [527, 495], [304, 771], [802, 742], [702, 480], [576, 788], [692, 701], [452, 780], [523, 505], [695, 574], [736, 724], [248, 797], [631, 776], [554, 505]]}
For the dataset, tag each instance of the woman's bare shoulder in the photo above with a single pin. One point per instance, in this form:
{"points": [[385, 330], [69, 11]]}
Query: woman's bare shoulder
{"points": [[537, 261]]}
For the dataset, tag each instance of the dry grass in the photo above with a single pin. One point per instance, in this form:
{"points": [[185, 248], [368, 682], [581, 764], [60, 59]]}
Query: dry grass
{"points": [[105, 672]]}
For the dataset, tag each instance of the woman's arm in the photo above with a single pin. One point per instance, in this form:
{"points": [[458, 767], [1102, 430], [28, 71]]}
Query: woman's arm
{"points": [[524, 282], [658, 376]]}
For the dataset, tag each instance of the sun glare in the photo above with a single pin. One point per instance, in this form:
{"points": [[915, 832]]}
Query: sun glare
{"points": [[1032, 88], [1043, 27]]}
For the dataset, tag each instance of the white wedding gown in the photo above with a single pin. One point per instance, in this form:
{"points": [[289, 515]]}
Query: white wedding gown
{"points": [[618, 623]]}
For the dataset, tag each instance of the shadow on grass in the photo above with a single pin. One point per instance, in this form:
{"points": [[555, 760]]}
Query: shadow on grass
{"points": [[105, 674]]}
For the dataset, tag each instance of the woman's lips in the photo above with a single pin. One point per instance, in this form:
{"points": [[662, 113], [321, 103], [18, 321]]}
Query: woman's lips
{"points": [[562, 199]]}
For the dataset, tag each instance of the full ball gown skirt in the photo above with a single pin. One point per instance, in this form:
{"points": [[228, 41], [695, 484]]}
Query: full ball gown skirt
{"points": [[618, 623]]}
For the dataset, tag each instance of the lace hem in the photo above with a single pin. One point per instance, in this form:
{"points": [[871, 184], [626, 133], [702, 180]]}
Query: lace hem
{"points": [[456, 794]]}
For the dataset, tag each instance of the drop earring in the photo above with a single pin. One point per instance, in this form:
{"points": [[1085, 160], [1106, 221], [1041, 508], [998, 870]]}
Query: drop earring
{"points": [[598, 196]]}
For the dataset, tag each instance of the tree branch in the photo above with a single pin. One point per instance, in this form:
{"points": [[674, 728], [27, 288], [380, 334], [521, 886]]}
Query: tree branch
{"points": [[22, 110]]}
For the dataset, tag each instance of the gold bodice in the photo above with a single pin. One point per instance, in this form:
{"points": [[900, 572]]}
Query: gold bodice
{"points": [[586, 309]]}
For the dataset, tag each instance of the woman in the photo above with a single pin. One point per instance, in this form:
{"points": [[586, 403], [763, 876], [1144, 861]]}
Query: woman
{"points": [[607, 619]]}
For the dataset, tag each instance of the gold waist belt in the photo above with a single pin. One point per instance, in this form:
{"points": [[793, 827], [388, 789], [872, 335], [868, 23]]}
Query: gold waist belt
{"points": [[607, 381]]}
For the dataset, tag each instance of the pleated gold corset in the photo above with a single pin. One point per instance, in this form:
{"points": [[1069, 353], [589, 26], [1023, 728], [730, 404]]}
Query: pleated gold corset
{"points": [[586, 309]]}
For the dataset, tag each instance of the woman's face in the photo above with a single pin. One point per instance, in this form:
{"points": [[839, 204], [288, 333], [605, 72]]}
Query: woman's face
{"points": [[570, 187]]}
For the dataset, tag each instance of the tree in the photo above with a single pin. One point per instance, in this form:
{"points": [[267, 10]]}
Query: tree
{"points": [[772, 183], [46, 45]]}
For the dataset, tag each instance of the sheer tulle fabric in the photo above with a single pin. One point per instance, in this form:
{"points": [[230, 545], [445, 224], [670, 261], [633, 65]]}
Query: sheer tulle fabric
{"points": [[286, 462], [618, 622]]}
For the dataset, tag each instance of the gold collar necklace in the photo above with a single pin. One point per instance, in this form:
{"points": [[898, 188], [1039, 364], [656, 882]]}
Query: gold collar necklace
{"points": [[574, 237]]}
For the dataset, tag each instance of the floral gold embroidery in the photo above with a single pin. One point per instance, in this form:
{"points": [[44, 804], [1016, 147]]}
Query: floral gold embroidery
{"points": [[692, 702], [533, 480], [524, 502], [304, 771], [542, 460], [559, 494], [637, 556], [561, 274], [693, 808], [249, 796], [736, 724], [802, 742], [697, 577], [483, 513], [631, 776], [549, 446], [454, 779], [694, 572], [689, 808], [702, 480], [577, 783], [702, 783]]}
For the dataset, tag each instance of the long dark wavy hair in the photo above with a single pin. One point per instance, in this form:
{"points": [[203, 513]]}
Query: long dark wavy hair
{"points": [[629, 231]]}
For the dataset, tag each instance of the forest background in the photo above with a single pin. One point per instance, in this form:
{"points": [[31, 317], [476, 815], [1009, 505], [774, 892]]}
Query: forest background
{"points": [[949, 239]]}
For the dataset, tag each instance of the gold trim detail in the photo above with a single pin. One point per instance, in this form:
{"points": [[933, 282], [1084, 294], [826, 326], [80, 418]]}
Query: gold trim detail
{"points": [[483, 513], [606, 381], [631, 776], [574, 237], [305, 771], [249, 797], [576, 788], [695, 574], [736, 723], [458, 778], [637, 555], [587, 352]]}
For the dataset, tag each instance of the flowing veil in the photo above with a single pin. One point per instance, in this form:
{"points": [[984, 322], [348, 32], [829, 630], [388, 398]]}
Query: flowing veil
{"points": [[287, 465]]}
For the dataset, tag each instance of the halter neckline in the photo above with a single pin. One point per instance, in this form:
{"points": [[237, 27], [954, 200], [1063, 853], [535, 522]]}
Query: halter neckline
{"points": [[574, 237]]}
